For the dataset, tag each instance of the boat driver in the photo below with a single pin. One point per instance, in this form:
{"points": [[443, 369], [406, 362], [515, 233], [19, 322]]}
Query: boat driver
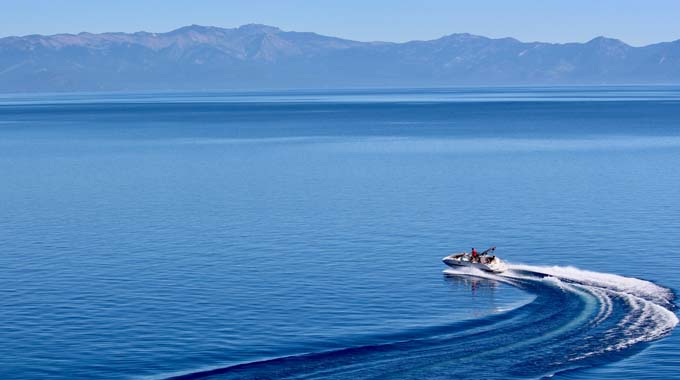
{"points": [[474, 256]]}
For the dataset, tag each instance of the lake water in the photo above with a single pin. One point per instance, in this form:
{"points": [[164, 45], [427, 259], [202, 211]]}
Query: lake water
{"points": [[299, 234]]}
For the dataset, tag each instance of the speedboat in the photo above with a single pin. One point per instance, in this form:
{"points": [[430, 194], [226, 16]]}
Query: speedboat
{"points": [[483, 261]]}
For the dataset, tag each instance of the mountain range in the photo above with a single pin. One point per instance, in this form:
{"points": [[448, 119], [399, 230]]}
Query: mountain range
{"points": [[262, 57]]}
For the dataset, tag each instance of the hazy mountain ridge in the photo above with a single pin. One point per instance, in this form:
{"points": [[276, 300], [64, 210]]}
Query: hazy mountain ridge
{"points": [[260, 56]]}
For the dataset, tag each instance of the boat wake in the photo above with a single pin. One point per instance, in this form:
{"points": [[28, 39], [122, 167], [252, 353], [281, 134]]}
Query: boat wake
{"points": [[577, 319]]}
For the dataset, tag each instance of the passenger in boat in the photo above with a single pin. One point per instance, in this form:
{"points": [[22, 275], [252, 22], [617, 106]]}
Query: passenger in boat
{"points": [[474, 256]]}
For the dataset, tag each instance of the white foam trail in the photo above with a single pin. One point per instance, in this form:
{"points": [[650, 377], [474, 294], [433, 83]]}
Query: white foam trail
{"points": [[628, 285], [630, 311], [470, 271], [648, 319], [634, 305], [606, 305]]}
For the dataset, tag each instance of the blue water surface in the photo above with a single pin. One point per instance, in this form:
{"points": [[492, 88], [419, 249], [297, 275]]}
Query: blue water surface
{"points": [[150, 235]]}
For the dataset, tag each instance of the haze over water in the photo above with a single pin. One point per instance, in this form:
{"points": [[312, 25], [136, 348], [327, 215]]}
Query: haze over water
{"points": [[150, 235]]}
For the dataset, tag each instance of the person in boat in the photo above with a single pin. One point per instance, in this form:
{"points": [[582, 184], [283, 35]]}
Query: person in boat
{"points": [[474, 256]]}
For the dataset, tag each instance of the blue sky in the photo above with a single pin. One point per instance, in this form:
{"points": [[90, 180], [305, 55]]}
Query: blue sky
{"points": [[636, 22]]}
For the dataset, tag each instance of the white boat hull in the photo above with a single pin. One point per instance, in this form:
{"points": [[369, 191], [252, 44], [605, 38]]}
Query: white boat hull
{"points": [[495, 265]]}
